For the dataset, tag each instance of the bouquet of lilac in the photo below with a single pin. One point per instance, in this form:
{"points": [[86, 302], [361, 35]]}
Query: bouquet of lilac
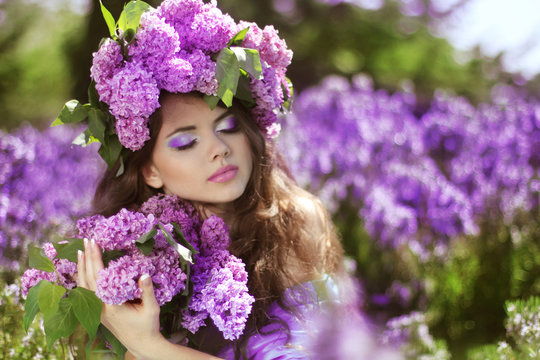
{"points": [[186, 258]]}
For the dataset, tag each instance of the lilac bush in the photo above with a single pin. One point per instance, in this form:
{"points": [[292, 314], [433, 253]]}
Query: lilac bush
{"points": [[489, 152], [370, 153], [419, 181], [45, 184]]}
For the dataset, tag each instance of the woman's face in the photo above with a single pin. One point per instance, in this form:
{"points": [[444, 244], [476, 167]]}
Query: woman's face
{"points": [[200, 154]]}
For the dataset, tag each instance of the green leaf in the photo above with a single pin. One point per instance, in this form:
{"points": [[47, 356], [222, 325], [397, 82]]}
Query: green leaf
{"points": [[146, 242], [87, 308], [97, 123], [84, 139], [288, 99], [183, 251], [238, 38], [61, 323], [38, 260], [110, 255], [131, 15], [31, 306], [68, 250], [72, 112], [108, 19], [110, 150], [116, 345], [227, 74], [121, 168], [211, 101], [93, 96], [249, 60], [243, 92], [146, 248], [49, 297], [181, 238]]}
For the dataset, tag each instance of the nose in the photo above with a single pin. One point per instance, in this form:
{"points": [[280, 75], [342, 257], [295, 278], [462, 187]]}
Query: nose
{"points": [[219, 148]]}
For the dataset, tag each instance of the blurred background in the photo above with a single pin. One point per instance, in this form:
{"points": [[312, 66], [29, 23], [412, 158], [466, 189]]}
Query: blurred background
{"points": [[427, 117]]}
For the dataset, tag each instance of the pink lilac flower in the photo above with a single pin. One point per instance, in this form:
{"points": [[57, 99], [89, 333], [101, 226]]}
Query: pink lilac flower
{"points": [[228, 301], [147, 50], [272, 48], [214, 235], [118, 232], [117, 283], [210, 31], [105, 63]]}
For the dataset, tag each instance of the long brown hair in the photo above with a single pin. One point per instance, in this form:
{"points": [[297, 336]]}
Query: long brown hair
{"points": [[271, 229]]}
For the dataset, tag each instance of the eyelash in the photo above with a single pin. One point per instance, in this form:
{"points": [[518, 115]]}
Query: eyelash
{"points": [[187, 146], [231, 130]]}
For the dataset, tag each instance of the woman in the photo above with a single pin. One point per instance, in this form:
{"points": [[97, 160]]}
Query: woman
{"points": [[222, 162]]}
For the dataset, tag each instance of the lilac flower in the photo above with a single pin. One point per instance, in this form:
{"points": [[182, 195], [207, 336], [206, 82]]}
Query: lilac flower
{"points": [[272, 48], [214, 235], [117, 283], [227, 300], [64, 274], [134, 97], [147, 50], [117, 232], [219, 284], [104, 65]]}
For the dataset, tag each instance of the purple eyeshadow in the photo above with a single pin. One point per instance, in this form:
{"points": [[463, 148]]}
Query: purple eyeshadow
{"points": [[180, 140]]}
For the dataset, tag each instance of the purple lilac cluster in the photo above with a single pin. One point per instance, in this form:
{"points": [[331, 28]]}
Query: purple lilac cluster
{"points": [[489, 152], [219, 284], [370, 153], [172, 51], [117, 283], [44, 186], [64, 274]]}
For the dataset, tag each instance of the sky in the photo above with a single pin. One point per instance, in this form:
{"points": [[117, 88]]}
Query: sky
{"points": [[512, 26]]}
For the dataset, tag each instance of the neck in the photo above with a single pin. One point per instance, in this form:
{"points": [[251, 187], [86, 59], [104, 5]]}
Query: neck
{"points": [[224, 211]]}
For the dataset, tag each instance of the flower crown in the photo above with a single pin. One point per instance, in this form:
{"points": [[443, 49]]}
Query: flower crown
{"points": [[180, 47]]}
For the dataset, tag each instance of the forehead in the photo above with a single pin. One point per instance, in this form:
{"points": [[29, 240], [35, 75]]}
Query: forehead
{"points": [[186, 110]]}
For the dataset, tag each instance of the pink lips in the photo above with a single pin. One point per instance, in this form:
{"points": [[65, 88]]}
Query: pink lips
{"points": [[224, 174]]}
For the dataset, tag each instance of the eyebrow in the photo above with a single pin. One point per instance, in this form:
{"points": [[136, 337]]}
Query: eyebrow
{"points": [[192, 127]]}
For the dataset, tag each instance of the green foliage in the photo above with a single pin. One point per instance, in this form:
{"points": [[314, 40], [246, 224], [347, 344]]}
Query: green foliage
{"points": [[19, 343], [234, 64], [33, 62]]}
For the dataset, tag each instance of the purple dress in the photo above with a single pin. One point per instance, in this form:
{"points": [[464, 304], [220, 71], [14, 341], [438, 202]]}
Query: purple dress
{"points": [[310, 301]]}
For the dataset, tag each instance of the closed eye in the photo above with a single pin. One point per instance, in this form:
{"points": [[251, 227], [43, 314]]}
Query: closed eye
{"points": [[182, 141], [228, 125]]}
